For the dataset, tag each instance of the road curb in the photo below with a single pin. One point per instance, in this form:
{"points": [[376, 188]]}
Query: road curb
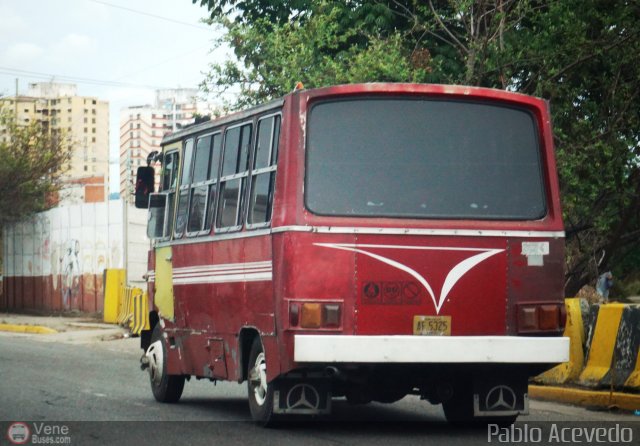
{"points": [[35, 329], [585, 398]]}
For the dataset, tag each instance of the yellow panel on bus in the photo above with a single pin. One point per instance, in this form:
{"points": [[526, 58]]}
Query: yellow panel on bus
{"points": [[164, 283]]}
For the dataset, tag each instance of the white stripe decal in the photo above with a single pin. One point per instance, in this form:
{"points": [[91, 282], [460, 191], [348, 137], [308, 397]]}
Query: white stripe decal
{"points": [[225, 273], [222, 267], [221, 273], [251, 277]]}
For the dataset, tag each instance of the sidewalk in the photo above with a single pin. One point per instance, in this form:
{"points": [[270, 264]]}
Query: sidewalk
{"points": [[73, 329]]}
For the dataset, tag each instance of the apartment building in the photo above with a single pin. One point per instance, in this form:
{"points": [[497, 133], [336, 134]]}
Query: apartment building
{"points": [[85, 119], [143, 127]]}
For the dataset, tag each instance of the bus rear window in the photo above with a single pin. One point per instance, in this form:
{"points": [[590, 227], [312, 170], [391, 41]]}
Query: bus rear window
{"points": [[420, 158]]}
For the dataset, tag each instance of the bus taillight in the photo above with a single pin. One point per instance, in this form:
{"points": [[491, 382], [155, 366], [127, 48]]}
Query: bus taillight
{"points": [[315, 315], [541, 318]]}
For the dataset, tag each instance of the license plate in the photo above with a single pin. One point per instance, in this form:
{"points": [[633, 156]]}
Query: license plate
{"points": [[432, 325]]}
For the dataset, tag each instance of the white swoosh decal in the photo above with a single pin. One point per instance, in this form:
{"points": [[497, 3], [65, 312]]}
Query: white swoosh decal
{"points": [[460, 270], [456, 273]]}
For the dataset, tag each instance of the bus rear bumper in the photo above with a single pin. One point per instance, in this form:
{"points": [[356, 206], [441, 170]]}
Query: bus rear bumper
{"points": [[430, 349]]}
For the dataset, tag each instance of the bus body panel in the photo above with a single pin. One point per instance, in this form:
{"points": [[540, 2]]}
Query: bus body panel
{"points": [[384, 281], [219, 288]]}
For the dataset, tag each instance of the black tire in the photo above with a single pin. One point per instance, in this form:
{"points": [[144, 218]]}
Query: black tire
{"points": [[260, 392], [166, 388]]}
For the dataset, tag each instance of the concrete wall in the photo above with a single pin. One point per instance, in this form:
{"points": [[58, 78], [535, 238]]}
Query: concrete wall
{"points": [[56, 260]]}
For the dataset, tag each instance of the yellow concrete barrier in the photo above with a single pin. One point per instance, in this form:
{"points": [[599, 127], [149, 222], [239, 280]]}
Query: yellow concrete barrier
{"points": [[134, 312], [627, 366], [633, 382], [125, 309], [602, 345], [574, 330], [114, 282], [140, 319]]}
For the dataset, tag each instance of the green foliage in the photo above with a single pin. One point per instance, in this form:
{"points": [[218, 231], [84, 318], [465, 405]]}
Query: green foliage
{"points": [[581, 55], [315, 49], [33, 162]]}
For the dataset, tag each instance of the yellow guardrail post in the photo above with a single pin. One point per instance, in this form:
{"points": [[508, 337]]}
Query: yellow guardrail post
{"points": [[602, 345], [123, 317], [628, 355], [633, 382], [574, 330], [113, 285]]}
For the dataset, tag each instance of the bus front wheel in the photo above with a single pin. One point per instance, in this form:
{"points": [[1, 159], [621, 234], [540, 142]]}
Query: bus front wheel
{"points": [[166, 388], [260, 391]]}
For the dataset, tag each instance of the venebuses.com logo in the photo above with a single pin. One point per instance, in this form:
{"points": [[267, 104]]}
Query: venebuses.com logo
{"points": [[18, 433], [38, 433]]}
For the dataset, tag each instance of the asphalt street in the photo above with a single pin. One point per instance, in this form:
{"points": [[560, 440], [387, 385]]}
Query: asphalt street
{"points": [[99, 392]]}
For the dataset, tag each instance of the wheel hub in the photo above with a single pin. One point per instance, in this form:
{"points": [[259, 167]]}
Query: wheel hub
{"points": [[258, 379], [156, 362]]}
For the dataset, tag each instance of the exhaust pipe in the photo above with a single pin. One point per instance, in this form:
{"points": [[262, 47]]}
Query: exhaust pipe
{"points": [[444, 392], [332, 372]]}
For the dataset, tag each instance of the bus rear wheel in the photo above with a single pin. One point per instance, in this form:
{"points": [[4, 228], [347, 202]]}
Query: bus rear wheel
{"points": [[259, 389], [166, 388]]}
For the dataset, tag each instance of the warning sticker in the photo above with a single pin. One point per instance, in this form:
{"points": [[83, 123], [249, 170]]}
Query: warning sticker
{"points": [[391, 293]]}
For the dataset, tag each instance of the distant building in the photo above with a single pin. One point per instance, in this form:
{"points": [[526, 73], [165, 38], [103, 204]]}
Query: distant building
{"points": [[143, 127], [86, 119]]}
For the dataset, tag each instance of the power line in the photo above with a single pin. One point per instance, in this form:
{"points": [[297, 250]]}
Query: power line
{"points": [[155, 16], [150, 67], [80, 80]]}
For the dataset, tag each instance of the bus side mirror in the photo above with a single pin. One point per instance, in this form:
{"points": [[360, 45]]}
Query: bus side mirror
{"points": [[145, 179], [157, 216]]}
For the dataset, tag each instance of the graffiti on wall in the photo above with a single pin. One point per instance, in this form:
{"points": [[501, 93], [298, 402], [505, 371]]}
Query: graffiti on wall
{"points": [[56, 259], [70, 273]]}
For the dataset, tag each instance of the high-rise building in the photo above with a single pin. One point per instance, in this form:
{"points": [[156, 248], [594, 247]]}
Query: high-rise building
{"points": [[85, 120], [143, 127]]}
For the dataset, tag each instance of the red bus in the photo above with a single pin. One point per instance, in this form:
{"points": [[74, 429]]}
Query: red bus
{"points": [[364, 241]]}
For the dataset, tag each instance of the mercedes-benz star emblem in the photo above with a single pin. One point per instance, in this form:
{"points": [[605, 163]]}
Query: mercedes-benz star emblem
{"points": [[303, 396], [501, 397]]}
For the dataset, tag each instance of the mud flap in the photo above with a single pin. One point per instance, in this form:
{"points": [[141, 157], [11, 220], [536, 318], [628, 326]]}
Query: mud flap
{"points": [[302, 397], [499, 397]]}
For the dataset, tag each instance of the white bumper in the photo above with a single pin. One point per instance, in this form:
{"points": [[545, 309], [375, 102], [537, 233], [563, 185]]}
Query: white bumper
{"points": [[431, 349]]}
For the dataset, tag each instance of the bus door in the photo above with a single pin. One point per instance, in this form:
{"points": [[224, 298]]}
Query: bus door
{"points": [[162, 210]]}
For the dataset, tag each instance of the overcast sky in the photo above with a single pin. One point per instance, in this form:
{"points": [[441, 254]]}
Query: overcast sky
{"points": [[116, 50]]}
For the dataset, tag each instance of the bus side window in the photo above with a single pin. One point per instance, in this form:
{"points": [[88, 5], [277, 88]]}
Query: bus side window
{"points": [[204, 184], [169, 169], [183, 194], [212, 179], [233, 176], [264, 172], [198, 194], [169, 180]]}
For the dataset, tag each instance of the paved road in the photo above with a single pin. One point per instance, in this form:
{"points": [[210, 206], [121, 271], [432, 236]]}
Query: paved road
{"points": [[98, 391]]}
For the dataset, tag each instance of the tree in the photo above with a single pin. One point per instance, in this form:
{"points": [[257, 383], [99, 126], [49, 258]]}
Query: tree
{"points": [[34, 160], [326, 44], [579, 54]]}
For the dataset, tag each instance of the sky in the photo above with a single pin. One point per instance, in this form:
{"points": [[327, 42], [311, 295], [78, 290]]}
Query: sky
{"points": [[120, 51]]}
